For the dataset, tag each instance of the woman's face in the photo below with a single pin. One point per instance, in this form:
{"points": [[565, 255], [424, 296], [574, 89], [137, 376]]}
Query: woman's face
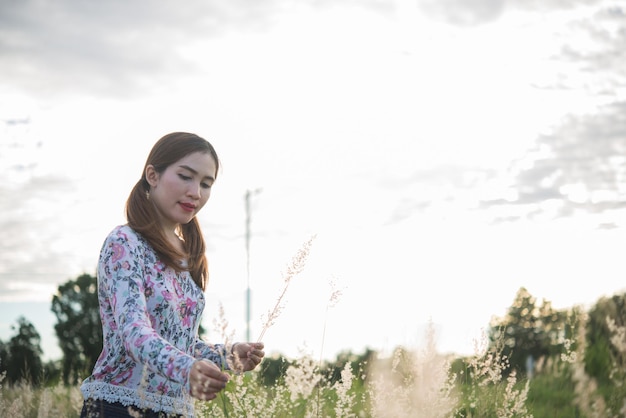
{"points": [[182, 189]]}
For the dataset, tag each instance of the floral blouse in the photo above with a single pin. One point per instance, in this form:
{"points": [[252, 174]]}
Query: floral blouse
{"points": [[150, 319]]}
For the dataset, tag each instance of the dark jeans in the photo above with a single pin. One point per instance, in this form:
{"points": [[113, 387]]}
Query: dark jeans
{"points": [[96, 408]]}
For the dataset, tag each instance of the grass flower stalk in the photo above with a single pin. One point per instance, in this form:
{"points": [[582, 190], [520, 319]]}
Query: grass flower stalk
{"points": [[590, 403], [335, 295], [293, 269]]}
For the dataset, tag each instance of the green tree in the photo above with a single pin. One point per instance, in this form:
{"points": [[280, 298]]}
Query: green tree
{"points": [[523, 331], [358, 362], [558, 326], [601, 356], [272, 370], [24, 354], [78, 328], [4, 357]]}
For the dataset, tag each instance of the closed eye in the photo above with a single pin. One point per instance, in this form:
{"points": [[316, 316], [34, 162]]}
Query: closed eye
{"points": [[206, 181]]}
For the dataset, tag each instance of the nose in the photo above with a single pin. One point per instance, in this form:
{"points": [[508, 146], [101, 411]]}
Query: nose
{"points": [[195, 191]]}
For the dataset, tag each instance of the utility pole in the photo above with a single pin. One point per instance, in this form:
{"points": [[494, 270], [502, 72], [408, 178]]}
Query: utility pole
{"points": [[248, 219]]}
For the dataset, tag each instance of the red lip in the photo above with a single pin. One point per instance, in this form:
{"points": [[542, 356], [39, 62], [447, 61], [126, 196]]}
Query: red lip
{"points": [[188, 207]]}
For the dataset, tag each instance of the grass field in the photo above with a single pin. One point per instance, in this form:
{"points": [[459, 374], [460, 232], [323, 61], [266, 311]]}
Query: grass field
{"points": [[410, 383]]}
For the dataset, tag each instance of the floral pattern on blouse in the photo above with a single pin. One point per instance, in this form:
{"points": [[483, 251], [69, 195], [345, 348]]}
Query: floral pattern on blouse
{"points": [[150, 319]]}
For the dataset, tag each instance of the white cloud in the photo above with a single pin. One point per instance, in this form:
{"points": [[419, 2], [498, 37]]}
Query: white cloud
{"points": [[399, 138]]}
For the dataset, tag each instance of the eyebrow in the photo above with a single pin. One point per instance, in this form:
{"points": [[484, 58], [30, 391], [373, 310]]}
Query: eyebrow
{"points": [[186, 167]]}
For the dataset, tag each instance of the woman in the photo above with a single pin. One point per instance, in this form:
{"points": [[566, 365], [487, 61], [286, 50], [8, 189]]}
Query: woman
{"points": [[152, 274]]}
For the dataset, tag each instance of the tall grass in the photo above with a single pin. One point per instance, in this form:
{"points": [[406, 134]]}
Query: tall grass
{"points": [[407, 383], [24, 400], [293, 269], [411, 382]]}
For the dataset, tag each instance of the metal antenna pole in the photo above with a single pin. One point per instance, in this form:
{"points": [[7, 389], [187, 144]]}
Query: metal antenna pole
{"points": [[248, 296]]}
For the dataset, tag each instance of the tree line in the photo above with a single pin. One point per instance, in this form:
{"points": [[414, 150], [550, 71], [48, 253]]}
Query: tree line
{"points": [[79, 333], [530, 330]]}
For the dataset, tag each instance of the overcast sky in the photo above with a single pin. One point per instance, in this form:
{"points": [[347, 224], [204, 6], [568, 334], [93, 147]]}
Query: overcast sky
{"points": [[444, 152]]}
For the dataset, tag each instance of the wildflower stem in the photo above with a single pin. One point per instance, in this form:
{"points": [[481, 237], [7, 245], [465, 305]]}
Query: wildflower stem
{"points": [[296, 266], [224, 405]]}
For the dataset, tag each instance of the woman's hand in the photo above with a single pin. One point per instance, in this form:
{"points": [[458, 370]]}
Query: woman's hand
{"points": [[246, 356], [206, 380]]}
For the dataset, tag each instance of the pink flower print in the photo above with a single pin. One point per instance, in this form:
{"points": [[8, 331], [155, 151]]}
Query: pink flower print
{"points": [[139, 342], [122, 377], [171, 369], [149, 289], [118, 252], [177, 288], [159, 266], [163, 388], [185, 310], [166, 295], [104, 371]]}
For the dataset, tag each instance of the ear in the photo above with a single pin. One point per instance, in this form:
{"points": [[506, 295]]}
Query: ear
{"points": [[152, 177]]}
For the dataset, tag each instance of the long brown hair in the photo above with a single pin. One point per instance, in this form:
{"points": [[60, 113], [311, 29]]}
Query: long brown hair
{"points": [[142, 215]]}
